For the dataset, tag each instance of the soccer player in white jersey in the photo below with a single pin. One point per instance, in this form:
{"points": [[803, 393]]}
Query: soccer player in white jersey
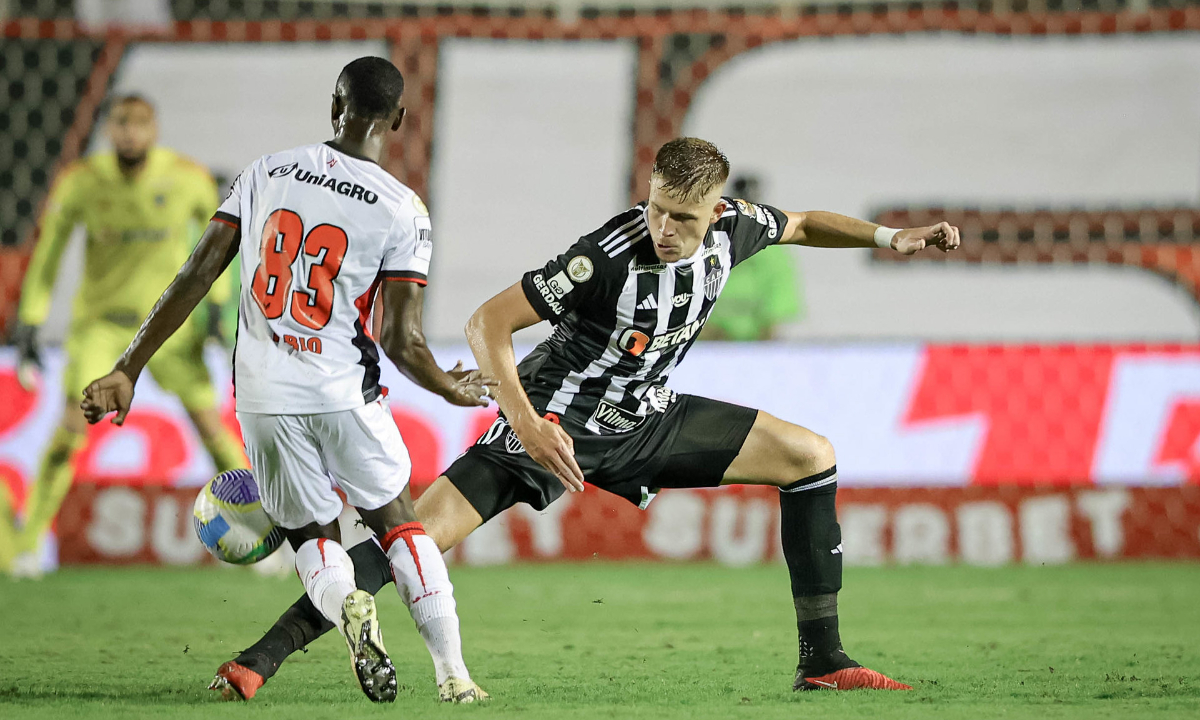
{"points": [[321, 229]]}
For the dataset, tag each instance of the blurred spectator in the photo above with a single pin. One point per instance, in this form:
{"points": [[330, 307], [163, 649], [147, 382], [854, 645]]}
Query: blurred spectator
{"points": [[761, 293], [140, 205]]}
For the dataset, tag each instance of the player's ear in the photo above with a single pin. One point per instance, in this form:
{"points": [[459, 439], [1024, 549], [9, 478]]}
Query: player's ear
{"points": [[399, 119], [718, 211]]}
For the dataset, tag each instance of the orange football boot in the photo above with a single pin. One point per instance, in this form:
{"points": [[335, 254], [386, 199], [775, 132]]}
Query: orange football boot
{"points": [[236, 682], [854, 678]]}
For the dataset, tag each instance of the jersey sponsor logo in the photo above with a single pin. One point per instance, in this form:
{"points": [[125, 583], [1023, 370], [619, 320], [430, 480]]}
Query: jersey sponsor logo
{"points": [[676, 337], [341, 187], [580, 268], [141, 235], [660, 398], [681, 299], [636, 342], [560, 285], [547, 294], [424, 248], [656, 268], [611, 417], [281, 171], [760, 215], [650, 303], [772, 224]]}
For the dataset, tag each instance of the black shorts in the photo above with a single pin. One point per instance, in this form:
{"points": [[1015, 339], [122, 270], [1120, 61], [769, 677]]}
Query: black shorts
{"points": [[690, 444]]}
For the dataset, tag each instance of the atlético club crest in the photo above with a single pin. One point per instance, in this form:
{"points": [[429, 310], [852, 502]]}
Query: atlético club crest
{"points": [[713, 275]]}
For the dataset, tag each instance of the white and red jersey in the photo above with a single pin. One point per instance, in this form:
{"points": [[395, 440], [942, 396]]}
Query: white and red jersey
{"points": [[320, 230]]}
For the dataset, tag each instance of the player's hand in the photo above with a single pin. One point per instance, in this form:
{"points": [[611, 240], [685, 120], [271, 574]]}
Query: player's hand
{"points": [[943, 236], [29, 359], [552, 448], [111, 393], [471, 388]]}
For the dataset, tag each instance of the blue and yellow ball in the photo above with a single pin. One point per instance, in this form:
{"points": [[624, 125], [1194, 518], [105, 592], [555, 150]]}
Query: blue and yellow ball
{"points": [[231, 522]]}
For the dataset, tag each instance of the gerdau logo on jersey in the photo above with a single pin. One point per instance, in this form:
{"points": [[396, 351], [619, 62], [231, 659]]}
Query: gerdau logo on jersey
{"points": [[636, 342], [341, 187]]}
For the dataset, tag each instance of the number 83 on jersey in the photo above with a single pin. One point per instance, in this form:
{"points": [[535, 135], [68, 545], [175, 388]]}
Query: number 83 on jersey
{"points": [[309, 298]]}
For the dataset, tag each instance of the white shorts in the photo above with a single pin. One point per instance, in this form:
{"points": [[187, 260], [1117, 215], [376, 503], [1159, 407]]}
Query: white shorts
{"points": [[297, 459]]}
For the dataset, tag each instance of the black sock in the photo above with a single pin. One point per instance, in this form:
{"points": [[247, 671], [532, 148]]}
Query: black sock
{"points": [[302, 622], [821, 647], [812, 548]]}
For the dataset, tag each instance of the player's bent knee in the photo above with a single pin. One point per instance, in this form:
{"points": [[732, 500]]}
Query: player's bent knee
{"points": [[822, 454], [809, 453]]}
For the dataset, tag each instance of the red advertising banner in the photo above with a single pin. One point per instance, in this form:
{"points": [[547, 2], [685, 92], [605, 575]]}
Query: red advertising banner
{"points": [[985, 525], [899, 415]]}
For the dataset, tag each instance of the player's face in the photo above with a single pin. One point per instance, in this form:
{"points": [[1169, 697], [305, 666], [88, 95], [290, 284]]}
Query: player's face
{"points": [[132, 130], [678, 226]]}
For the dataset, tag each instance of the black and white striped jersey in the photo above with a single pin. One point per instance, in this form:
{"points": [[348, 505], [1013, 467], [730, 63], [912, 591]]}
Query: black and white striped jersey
{"points": [[623, 319]]}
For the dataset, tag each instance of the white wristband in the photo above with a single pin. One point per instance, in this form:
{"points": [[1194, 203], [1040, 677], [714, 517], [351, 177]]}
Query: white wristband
{"points": [[884, 235]]}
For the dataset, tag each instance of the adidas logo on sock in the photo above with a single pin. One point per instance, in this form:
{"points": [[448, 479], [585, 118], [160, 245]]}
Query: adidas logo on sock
{"points": [[650, 303], [837, 550]]}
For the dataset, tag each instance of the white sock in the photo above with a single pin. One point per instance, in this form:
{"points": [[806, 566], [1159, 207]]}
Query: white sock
{"points": [[424, 585], [328, 576]]}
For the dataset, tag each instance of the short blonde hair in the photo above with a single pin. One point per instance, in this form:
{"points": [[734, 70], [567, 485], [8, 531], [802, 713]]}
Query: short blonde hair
{"points": [[690, 168]]}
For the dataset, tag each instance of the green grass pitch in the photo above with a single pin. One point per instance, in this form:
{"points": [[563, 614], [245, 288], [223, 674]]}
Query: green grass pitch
{"points": [[627, 641]]}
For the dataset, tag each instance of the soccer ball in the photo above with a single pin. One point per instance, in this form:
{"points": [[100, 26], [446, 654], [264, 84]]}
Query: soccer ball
{"points": [[230, 521]]}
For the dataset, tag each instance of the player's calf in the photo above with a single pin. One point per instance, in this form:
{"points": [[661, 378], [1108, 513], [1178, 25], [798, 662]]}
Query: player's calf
{"points": [[812, 547], [423, 583], [328, 576]]}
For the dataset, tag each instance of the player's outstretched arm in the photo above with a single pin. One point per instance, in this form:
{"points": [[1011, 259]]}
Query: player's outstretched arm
{"points": [[489, 332], [403, 341], [54, 231], [114, 392], [830, 230]]}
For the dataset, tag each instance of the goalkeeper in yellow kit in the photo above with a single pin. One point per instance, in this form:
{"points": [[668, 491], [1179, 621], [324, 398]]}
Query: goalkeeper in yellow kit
{"points": [[139, 205]]}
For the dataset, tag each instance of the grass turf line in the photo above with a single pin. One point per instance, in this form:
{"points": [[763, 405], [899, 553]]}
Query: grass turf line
{"points": [[627, 641]]}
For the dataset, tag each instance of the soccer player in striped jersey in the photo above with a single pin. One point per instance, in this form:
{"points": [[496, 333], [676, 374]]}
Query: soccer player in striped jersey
{"points": [[591, 403]]}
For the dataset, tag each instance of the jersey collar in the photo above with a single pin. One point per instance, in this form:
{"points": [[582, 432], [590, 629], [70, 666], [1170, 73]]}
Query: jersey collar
{"points": [[347, 153]]}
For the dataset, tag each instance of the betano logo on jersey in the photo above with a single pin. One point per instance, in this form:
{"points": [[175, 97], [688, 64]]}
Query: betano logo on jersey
{"points": [[341, 187], [636, 342]]}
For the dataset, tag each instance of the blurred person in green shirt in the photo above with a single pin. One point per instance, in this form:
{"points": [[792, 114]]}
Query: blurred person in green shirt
{"points": [[763, 292], [140, 205]]}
